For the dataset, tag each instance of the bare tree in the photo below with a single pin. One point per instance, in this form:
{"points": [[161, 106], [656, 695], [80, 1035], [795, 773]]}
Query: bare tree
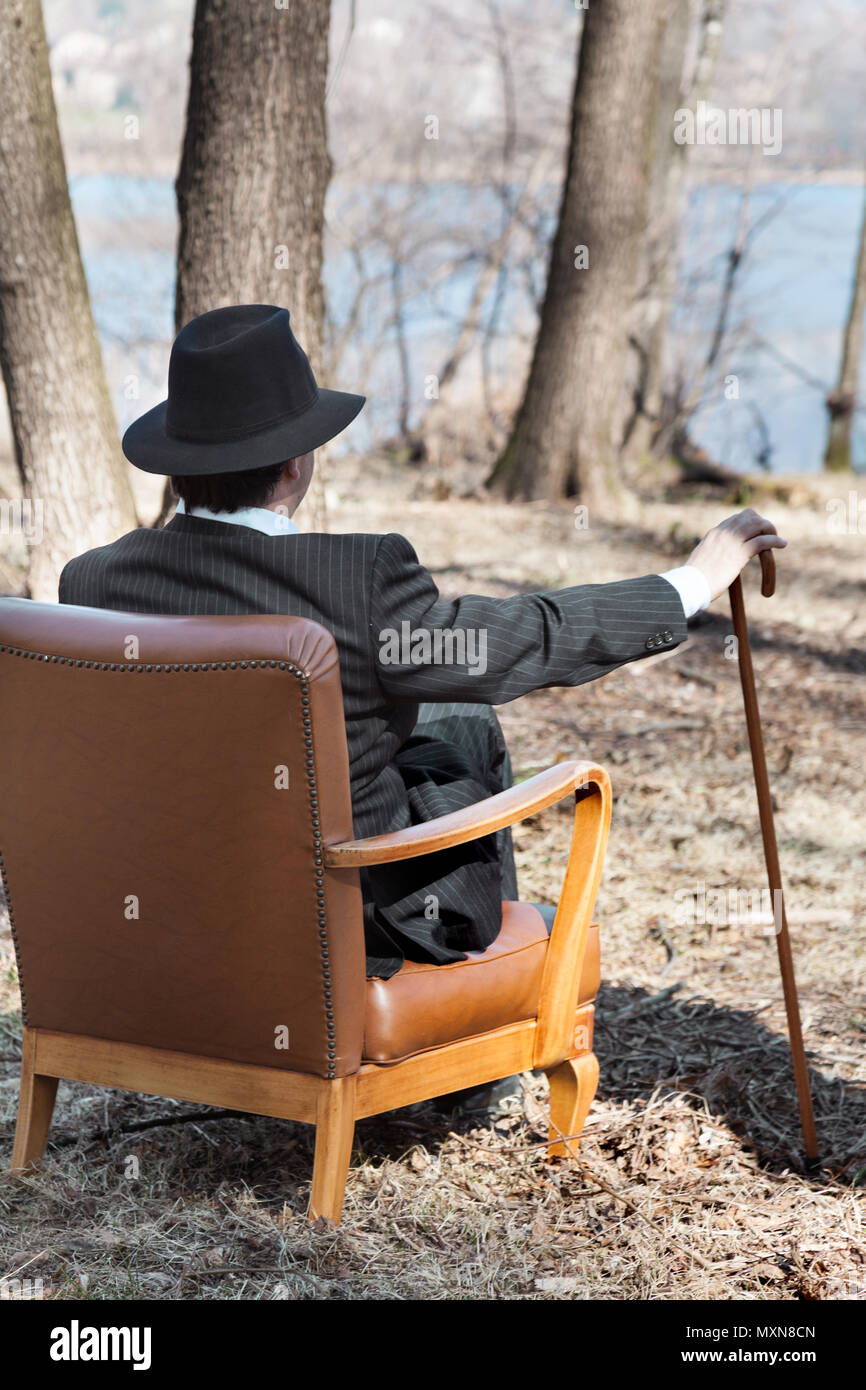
{"points": [[841, 402], [493, 262], [678, 86], [255, 168], [566, 437], [65, 433]]}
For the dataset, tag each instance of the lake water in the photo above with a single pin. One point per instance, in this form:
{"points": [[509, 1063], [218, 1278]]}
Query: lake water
{"points": [[787, 313]]}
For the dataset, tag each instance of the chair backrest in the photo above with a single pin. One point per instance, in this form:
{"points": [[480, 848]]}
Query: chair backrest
{"points": [[168, 786]]}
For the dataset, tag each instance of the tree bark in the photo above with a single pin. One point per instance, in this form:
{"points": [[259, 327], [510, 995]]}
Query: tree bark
{"points": [[667, 196], [255, 167], [841, 402], [569, 427], [664, 209], [72, 470]]}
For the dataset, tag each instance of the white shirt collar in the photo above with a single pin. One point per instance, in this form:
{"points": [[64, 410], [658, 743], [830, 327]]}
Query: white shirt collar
{"points": [[256, 518]]}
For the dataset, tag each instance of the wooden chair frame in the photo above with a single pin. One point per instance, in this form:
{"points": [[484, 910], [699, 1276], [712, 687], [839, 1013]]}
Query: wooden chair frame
{"points": [[558, 1040]]}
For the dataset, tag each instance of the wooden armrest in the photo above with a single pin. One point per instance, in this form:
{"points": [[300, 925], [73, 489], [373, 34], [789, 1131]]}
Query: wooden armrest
{"points": [[471, 822], [560, 983]]}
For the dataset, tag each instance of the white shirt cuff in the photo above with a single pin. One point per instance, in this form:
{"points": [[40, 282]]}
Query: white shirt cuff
{"points": [[692, 587]]}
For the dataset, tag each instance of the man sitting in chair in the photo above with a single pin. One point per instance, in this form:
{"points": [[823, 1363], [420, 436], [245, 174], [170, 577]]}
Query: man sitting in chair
{"points": [[419, 673]]}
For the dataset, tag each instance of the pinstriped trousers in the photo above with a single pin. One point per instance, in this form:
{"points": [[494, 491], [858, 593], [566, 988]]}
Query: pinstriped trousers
{"points": [[475, 733], [435, 907]]}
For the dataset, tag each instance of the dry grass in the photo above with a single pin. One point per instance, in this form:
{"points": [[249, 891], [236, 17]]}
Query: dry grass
{"points": [[689, 1182]]}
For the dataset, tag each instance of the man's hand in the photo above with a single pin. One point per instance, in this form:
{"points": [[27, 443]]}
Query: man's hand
{"points": [[729, 547]]}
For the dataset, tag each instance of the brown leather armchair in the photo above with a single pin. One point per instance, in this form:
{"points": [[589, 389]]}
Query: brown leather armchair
{"points": [[183, 887]]}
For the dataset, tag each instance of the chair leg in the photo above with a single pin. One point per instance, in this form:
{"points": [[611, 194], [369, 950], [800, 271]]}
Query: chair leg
{"points": [[572, 1088], [335, 1131], [35, 1108]]}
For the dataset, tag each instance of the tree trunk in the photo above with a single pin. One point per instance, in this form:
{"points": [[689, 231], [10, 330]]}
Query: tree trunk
{"points": [[567, 435], [841, 402], [255, 168], [664, 209], [72, 470], [666, 196]]}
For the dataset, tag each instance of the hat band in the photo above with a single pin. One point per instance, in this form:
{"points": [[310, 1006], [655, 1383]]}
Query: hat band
{"points": [[224, 435]]}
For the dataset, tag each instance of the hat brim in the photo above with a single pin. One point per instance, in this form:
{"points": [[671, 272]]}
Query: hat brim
{"points": [[147, 445]]}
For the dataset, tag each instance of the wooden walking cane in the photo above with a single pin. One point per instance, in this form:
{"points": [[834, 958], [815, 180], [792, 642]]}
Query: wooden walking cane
{"points": [[771, 852]]}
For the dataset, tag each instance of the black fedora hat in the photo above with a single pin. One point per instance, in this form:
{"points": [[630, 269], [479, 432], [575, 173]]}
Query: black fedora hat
{"points": [[241, 395]]}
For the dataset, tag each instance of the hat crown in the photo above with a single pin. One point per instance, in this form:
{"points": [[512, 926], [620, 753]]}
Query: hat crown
{"points": [[236, 371]]}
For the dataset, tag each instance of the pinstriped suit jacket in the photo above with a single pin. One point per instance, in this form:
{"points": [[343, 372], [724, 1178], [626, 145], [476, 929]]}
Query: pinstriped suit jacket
{"points": [[371, 593]]}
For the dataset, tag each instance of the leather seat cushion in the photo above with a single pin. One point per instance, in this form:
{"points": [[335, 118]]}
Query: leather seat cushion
{"points": [[427, 1006]]}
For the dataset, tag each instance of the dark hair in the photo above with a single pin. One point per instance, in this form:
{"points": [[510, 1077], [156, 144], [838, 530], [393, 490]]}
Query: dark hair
{"points": [[228, 492]]}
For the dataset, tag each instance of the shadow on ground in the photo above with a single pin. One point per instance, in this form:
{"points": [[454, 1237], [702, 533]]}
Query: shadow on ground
{"points": [[730, 1062], [719, 1059]]}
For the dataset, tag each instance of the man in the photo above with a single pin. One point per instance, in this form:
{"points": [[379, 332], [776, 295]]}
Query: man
{"points": [[237, 436]]}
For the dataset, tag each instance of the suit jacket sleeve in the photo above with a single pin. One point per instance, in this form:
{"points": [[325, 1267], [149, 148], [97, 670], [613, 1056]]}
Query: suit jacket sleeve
{"points": [[491, 650]]}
